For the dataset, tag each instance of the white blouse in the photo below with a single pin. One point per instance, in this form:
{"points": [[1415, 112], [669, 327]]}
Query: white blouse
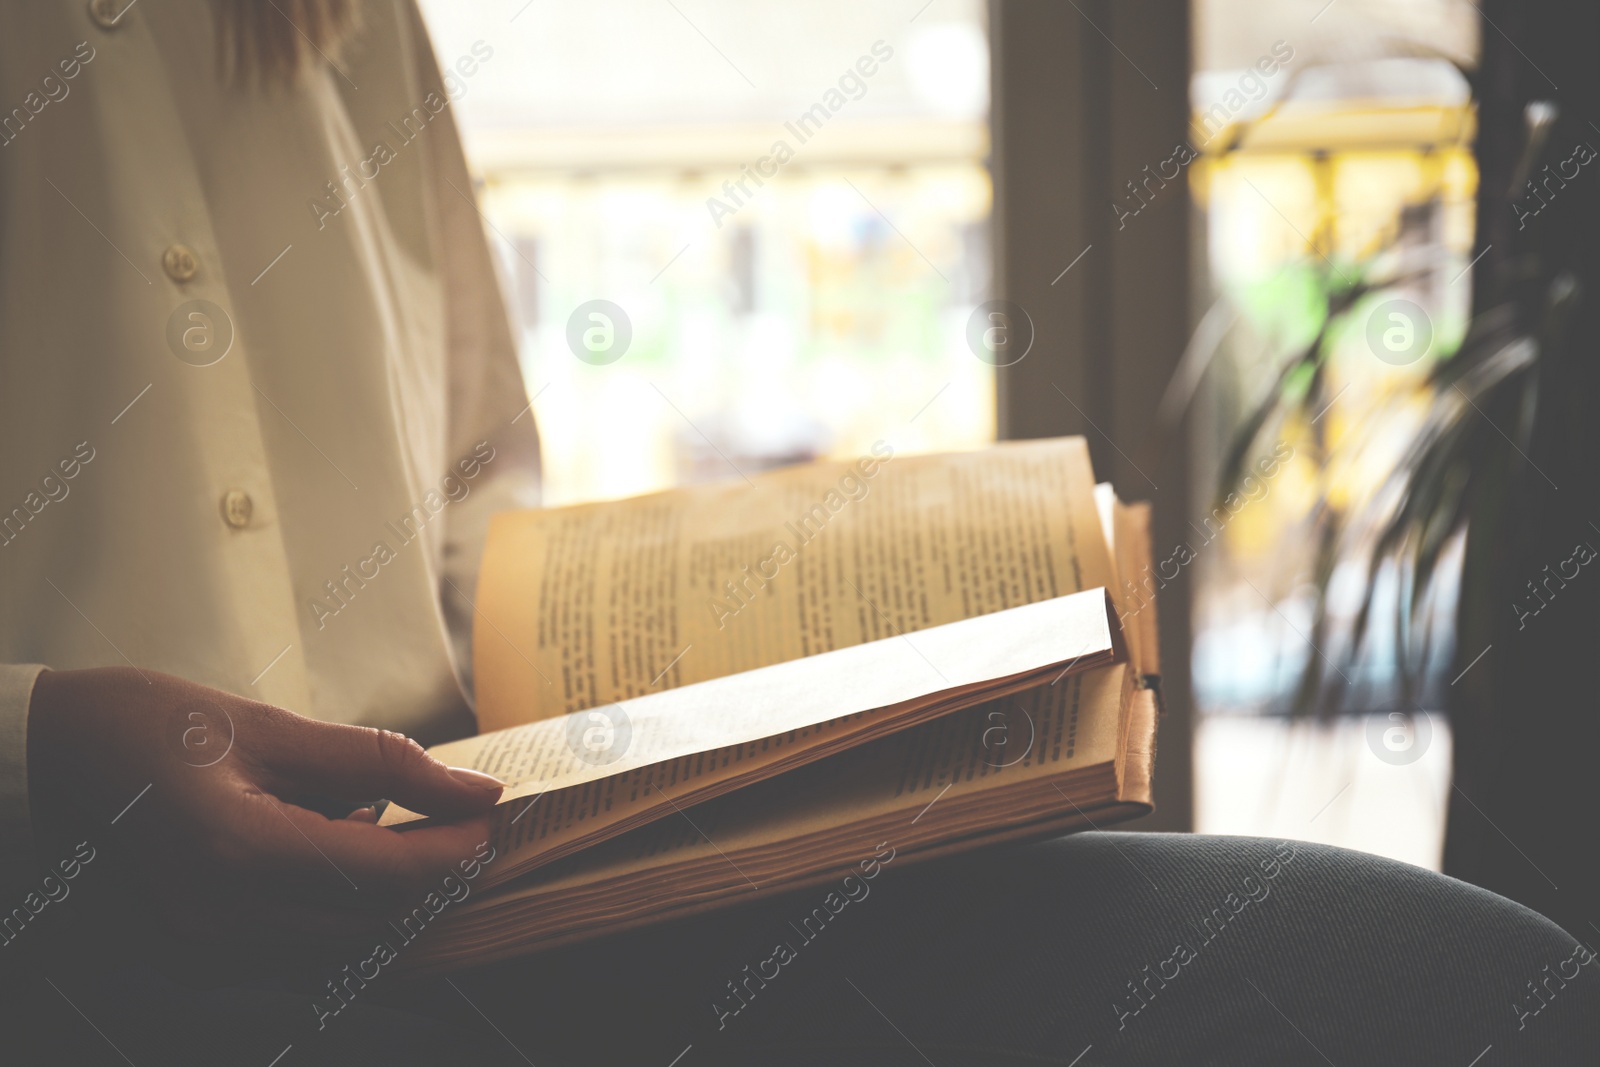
{"points": [[251, 423]]}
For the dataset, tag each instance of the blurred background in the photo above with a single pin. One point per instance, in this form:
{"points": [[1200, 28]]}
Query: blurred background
{"points": [[1207, 212], [796, 325]]}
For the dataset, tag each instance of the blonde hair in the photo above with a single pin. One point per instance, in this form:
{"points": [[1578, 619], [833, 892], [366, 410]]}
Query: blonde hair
{"points": [[273, 41]]}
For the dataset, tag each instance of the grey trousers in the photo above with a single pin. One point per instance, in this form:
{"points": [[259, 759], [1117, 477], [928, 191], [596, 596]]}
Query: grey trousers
{"points": [[1094, 950]]}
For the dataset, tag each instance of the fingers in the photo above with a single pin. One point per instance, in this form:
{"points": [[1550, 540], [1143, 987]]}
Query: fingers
{"points": [[357, 762], [354, 863]]}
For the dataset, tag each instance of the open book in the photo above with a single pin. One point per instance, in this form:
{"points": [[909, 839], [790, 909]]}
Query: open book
{"points": [[716, 693]]}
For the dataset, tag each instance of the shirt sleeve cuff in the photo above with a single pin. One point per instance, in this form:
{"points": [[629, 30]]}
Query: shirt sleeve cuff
{"points": [[16, 826]]}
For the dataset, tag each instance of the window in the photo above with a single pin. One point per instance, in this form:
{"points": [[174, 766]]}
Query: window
{"points": [[785, 211], [1362, 171]]}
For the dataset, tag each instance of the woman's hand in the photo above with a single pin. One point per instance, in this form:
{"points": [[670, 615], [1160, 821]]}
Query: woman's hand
{"points": [[200, 795]]}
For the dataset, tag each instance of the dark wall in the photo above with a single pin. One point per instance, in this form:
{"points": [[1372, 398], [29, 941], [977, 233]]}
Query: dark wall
{"points": [[1077, 117], [1523, 814]]}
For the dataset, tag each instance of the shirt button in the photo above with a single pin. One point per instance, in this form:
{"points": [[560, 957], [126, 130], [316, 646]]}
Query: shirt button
{"points": [[180, 263], [237, 507], [107, 14]]}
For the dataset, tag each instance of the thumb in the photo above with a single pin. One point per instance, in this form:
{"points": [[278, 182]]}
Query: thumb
{"points": [[360, 763]]}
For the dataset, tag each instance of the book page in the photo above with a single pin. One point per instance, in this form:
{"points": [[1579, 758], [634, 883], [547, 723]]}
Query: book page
{"points": [[796, 703], [562, 823], [1138, 582], [586, 606], [1134, 581], [927, 777]]}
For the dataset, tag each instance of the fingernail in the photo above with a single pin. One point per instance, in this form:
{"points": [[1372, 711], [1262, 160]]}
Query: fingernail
{"points": [[476, 779]]}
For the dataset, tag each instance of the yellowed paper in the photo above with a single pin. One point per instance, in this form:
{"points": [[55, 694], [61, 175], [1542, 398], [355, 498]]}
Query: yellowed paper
{"points": [[587, 606], [797, 702]]}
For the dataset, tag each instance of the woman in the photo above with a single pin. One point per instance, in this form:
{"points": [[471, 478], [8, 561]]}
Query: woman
{"points": [[247, 318]]}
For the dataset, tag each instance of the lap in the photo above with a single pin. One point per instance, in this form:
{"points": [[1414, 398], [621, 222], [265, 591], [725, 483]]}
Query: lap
{"points": [[1098, 949], [1119, 948]]}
